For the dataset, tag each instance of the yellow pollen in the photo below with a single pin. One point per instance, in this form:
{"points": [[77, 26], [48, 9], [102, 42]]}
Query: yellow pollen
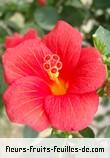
{"points": [[53, 76]]}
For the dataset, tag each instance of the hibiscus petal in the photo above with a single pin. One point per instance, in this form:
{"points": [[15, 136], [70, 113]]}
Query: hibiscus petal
{"points": [[12, 41], [66, 42], [71, 112], [24, 101], [90, 73], [30, 34], [25, 59]]}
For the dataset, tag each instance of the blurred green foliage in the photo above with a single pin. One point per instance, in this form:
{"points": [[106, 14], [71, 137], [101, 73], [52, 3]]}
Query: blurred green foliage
{"points": [[86, 15], [87, 133]]}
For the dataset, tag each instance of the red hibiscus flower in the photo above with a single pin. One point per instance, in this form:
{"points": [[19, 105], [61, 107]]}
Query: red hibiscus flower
{"points": [[53, 81]]}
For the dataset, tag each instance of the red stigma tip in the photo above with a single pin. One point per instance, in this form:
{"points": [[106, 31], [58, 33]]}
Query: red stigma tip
{"points": [[48, 57], [59, 65], [46, 66], [55, 57], [54, 70]]}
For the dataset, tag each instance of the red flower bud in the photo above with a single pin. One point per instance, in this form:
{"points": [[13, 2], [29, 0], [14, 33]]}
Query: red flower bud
{"points": [[41, 2]]}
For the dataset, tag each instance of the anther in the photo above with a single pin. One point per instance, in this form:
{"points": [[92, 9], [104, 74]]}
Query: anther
{"points": [[54, 70]]}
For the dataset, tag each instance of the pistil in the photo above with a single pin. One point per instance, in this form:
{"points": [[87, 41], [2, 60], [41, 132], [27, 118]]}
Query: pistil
{"points": [[52, 66]]}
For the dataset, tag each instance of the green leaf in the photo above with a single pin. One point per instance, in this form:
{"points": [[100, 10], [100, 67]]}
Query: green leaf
{"points": [[29, 133], [102, 4], [87, 133], [73, 15], [107, 113], [50, 2], [99, 118], [59, 134], [105, 101], [46, 17], [4, 31], [101, 40], [107, 132], [74, 3], [2, 88], [101, 92], [12, 25]]}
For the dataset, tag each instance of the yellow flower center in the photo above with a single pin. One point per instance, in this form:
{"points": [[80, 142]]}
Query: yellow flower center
{"points": [[52, 66]]}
